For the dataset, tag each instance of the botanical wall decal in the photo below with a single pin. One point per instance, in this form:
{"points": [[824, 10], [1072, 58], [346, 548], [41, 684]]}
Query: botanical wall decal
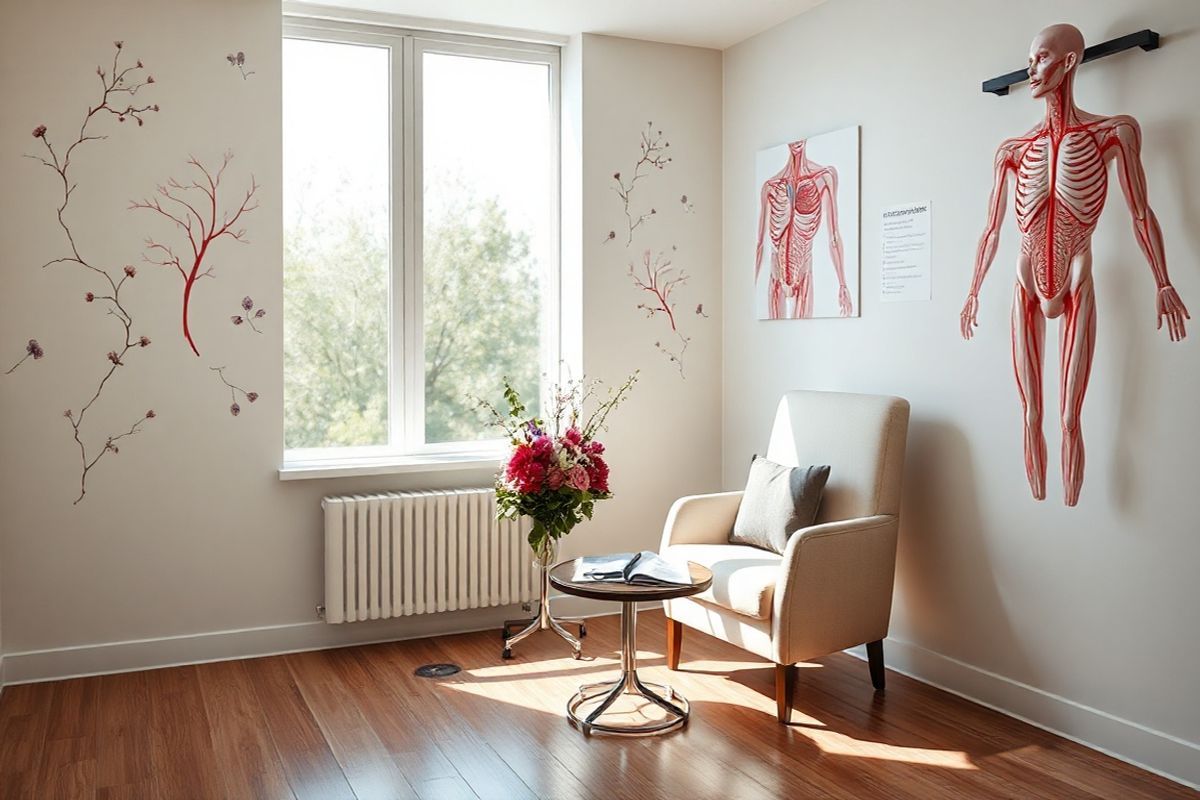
{"points": [[654, 276], [248, 318], [234, 390], [238, 60], [119, 88], [32, 350], [659, 279], [194, 208]]}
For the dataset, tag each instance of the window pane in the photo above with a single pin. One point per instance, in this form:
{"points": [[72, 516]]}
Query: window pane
{"points": [[487, 236], [336, 243]]}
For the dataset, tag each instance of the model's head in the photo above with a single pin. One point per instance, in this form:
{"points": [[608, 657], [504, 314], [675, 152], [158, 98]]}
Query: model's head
{"points": [[1053, 57]]}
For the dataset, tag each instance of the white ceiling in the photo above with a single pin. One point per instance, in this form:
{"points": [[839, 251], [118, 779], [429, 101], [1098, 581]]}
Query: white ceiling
{"points": [[703, 23]]}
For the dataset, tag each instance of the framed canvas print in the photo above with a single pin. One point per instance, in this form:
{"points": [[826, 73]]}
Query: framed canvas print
{"points": [[807, 250]]}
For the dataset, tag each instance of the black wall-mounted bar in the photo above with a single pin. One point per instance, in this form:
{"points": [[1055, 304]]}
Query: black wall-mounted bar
{"points": [[1147, 40]]}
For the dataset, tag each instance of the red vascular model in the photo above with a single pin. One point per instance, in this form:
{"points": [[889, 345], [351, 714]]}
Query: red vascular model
{"points": [[792, 205], [1061, 173]]}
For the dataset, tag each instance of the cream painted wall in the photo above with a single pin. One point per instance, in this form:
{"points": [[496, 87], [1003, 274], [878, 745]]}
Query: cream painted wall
{"points": [[187, 546], [1060, 615], [664, 443]]}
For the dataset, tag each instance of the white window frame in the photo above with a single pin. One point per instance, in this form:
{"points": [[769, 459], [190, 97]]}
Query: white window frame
{"points": [[407, 449]]}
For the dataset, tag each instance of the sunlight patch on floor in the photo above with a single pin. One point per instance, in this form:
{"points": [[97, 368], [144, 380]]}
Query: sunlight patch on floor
{"points": [[838, 744]]}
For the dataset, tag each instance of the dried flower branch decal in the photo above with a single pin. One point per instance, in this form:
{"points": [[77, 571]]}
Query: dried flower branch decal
{"points": [[248, 318], [234, 408], [653, 156], [119, 87], [32, 350], [238, 60], [202, 222], [659, 279]]}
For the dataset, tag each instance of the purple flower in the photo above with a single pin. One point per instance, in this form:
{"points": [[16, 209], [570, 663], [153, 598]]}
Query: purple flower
{"points": [[235, 409], [39, 132], [262, 312], [236, 319], [130, 270], [247, 303], [34, 349], [251, 396]]}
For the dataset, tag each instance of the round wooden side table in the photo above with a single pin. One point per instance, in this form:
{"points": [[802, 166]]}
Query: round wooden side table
{"points": [[580, 710]]}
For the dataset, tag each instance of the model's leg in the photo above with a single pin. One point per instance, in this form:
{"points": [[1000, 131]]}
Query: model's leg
{"points": [[774, 298], [804, 295], [1078, 344], [1028, 338]]}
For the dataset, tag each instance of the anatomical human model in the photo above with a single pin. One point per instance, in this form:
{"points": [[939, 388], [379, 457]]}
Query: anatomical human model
{"points": [[1061, 172], [793, 203]]}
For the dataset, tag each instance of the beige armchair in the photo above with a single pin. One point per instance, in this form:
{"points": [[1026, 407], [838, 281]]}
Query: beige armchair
{"points": [[832, 587]]}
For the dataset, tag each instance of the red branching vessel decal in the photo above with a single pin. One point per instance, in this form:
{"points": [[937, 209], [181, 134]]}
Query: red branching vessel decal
{"points": [[194, 208]]}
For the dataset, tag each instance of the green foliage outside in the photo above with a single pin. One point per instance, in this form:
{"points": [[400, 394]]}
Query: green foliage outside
{"points": [[481, 305]]}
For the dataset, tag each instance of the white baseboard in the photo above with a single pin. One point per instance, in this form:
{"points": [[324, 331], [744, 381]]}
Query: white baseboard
{"points": [[1132, 742], [100, 659]]}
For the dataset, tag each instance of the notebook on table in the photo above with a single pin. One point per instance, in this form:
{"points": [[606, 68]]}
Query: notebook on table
{"points": [[637, 569]]}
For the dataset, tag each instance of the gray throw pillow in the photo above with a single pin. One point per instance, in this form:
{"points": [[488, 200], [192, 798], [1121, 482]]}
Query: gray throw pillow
{"points": [[778, 502]]}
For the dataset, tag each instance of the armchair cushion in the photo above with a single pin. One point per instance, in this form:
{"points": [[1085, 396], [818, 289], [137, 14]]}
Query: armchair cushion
{"points": [[778, 501], [744, 577]]}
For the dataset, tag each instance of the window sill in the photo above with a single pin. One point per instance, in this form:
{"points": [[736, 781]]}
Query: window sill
{"points": [[389, 465]]}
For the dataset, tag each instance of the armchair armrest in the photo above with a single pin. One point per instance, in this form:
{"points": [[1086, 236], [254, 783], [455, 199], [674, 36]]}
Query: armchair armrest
{"points": [[701, 519], [835, 587]]}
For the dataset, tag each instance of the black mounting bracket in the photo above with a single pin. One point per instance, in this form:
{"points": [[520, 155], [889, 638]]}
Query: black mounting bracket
{"points": [[1146, 39]]}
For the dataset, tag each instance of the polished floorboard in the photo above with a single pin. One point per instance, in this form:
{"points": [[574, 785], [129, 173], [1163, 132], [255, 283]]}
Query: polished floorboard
{"points": [[356, 723]]}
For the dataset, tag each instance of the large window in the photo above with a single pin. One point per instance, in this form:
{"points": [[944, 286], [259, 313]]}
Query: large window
{"points": [[421, 237]]}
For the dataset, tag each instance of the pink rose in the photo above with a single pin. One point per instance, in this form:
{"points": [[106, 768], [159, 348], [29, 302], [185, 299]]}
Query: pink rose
{"points": [[555, 479], [577, 478]]}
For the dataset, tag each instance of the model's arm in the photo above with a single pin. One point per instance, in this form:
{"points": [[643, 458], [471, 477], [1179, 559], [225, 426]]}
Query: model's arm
{"points": [[836, 252], [991, 237], [762, 229], [1127, 141]]}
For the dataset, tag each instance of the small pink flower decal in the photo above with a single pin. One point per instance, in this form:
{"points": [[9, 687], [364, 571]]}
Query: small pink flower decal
{"points": [[150, 414], [118, 44], [143, 341], [238, 60], [39, 132], [89, 297], [32, 350], [234, 391], [114, 358], [248, 306], [130, 271]]}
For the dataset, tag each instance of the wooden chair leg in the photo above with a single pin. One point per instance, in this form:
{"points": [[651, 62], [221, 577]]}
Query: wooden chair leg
{"points": [[785, 690], [674, 642], [875, 661]]}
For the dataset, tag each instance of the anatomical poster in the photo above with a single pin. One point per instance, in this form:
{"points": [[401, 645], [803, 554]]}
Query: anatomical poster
{"points": [[807, 250]]}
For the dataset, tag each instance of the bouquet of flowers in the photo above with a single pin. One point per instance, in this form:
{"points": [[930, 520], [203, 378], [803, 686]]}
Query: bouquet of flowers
{"points": [[556, 470]]}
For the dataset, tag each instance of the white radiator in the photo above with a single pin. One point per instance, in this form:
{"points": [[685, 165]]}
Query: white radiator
{"points": [[393, 555]]}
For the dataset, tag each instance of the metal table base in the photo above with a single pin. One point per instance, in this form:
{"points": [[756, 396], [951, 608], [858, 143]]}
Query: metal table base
{"points": [[543, 622], [604, 694]]}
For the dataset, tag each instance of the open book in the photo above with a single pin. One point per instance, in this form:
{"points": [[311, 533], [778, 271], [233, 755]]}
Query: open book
{"points": [[639, 569]]}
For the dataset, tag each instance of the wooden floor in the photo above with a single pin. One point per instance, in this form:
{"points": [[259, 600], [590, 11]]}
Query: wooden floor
{"points": [[356, 723]]}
